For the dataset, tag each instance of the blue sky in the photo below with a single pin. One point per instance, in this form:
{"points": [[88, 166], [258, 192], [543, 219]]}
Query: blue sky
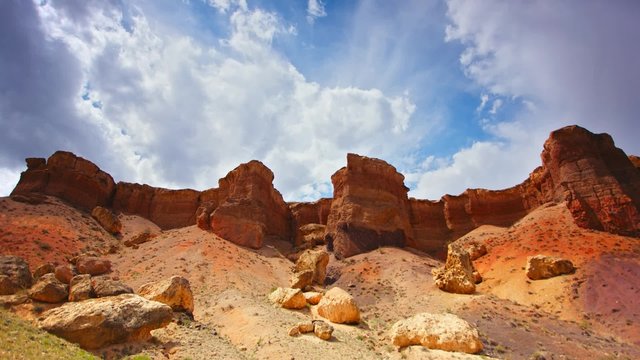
{"points": [[453, 93]]}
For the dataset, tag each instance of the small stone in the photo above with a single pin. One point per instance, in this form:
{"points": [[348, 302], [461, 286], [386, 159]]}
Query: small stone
{"points": [[294, 331], [322, 329]]}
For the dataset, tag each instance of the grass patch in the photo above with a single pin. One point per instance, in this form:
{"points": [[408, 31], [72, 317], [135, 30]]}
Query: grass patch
{"points": [[21, 340]]}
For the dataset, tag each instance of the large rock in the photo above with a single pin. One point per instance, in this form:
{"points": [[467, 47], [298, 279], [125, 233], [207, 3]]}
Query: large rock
{"points": [[65, 273], [48, 289], [18, 275], [430, 230], [339, 307], [543, 267], [310, 235], [456, 276], [599, 183], [370, 208], [45, 268], [288, 298], [315, 261], [308, 221], [95, 323], [104, 286], [69, 177], [107, 219], [301, 279], [175, 292], [80, 288], [437, 331], [93, 265], [250, 209]]}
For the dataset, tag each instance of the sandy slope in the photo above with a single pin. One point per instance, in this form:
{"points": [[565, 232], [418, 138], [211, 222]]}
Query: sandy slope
{"points": [[234, 319]]}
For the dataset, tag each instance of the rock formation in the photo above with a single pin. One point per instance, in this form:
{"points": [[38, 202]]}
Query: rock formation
{"points": [[437, 331], [48, 289], [314, 263], [95, 323], [543, 267], [308, 219], [93, 265], [106, 219], [175, 292], [288, 298], [338, 306], [250, 208], [15, 274], [457, 275], [370, 207]]}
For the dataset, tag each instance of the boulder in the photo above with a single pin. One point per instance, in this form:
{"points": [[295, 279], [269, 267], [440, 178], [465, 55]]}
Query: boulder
{"points": [[310, 235], [437, 331], [306, 327], [139, 238], [313, 297], [476, 250], [294, 331], [17, 274], [69, 177], [543, 267], [175, 292], [370, 208], [104, 286], [48, 289], [322, 329], [107, 219], [456, 276], [80, 288], [301, 279], [250, 208], [288, 298], [93, 265], [315, 261], [339, 307], [7, 301], [95, 323], [65, 273], [45, 268]]}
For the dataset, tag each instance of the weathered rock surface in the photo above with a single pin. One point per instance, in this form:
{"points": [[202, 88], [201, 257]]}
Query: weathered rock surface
{"points": [[315, 261], [370, 208], [543, 267], [45, 268], [322, 329], [13, 300], [48, 289], [250, 209], [339, 307], [64, 273], [80, 288], [437, 331], [456, 276], [288, 298], [17, 274], [104, 286], [139, 238], [635, 160], [313, 297], [310, 235], [301, 279], [175, 292], [308, 213], [476, 250], [430, 230], [93, 265], [69, 177], [107, 219], [95, 323]]}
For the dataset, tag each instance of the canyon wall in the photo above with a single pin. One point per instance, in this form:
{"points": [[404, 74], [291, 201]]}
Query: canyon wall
{"points": [[370, 208]]}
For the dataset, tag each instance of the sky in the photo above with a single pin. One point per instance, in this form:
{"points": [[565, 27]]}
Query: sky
{"points": [[455, 94]]}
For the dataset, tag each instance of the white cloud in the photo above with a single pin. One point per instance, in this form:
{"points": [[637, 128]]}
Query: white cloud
{"points": [[178, 112], [565, 62], [8, 180], [315, 9]]}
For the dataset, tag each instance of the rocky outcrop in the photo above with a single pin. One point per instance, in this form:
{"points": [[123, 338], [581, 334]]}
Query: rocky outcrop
{"points": [[95, 323], [338, 306], [175, 292], [93, 265], [456, 276], [437, 331], [104, 286], [48, 289], [370, 208], [45, 268], [106, 219], [599, 183], [430, 229], [309, 213], [16, 274], [69, 177], [543, 267], [139, 238], [80, 288], [315, 262], [288, 298], [310, 235], [250, 209], [64, 273], [635, 160]]}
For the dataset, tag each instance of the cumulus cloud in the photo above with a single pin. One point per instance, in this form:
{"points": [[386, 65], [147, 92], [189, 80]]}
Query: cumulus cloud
{"points": [[171, 110], [315, 9], [569, 62]]}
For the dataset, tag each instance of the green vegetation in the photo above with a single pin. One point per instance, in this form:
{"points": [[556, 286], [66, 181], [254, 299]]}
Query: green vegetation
{"points": [[21, 340]]}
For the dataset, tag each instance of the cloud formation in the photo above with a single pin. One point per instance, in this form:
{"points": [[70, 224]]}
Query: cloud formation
{"points": [[315, 9]]}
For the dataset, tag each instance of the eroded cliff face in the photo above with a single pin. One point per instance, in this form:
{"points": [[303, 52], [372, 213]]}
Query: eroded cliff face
{"points": [[370, 207], [599, 183]]}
